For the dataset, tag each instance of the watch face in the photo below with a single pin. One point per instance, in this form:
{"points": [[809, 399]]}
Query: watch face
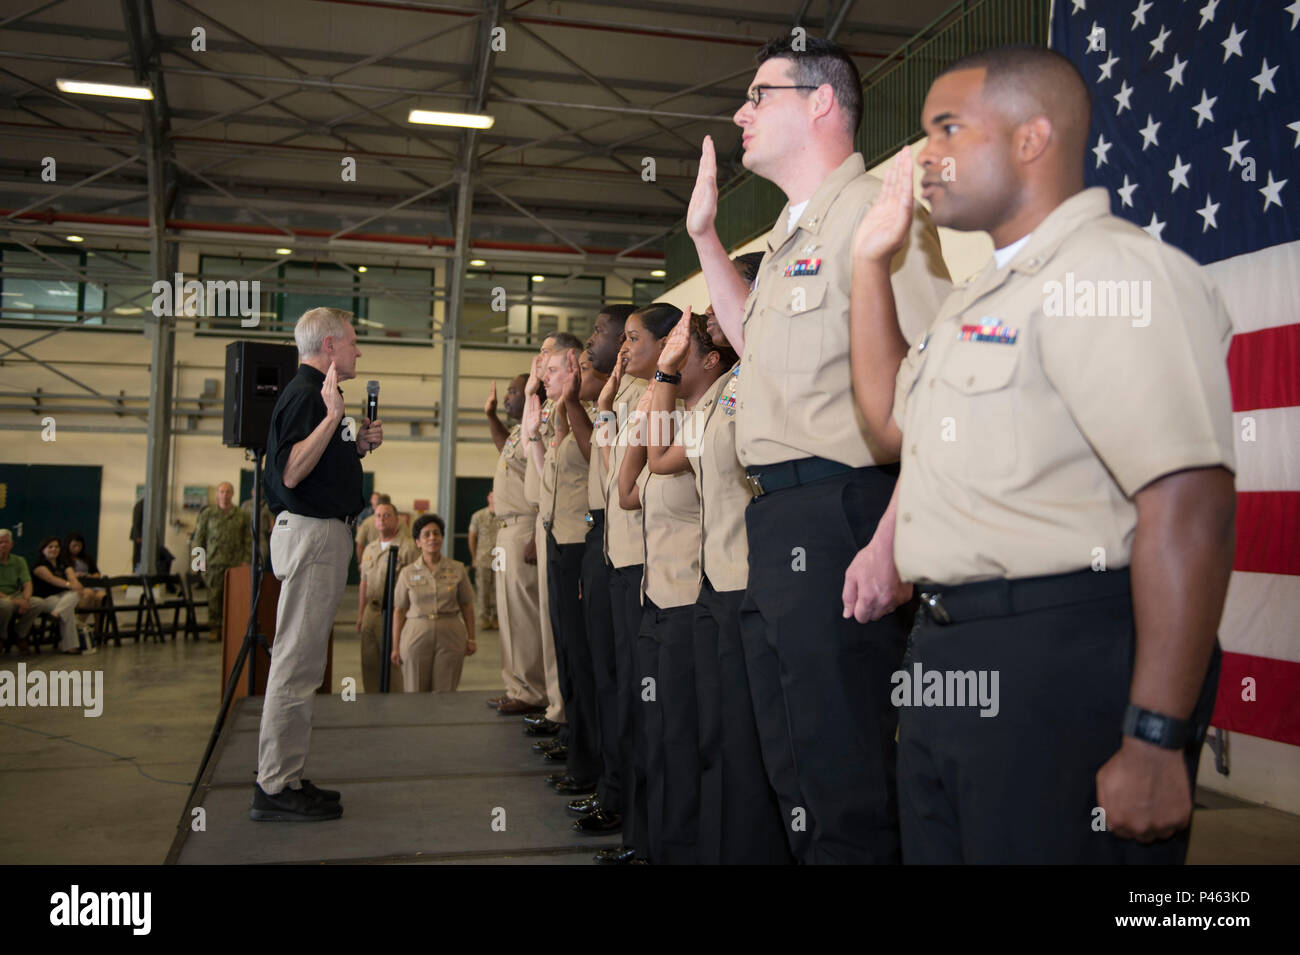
{"points": [[1150, 726]]}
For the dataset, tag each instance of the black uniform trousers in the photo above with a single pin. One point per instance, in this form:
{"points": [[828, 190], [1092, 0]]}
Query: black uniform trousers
{"points": [[1020, 786], [666, 654], [573, 657], [625, 605], [740, 819], [821, 684], [600, 641]]}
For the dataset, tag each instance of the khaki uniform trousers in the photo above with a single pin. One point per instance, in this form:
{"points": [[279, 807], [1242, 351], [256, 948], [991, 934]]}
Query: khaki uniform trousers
{"points": [[550, 666], [372, 634], [433, 652], [311, 556], [517, 611]]}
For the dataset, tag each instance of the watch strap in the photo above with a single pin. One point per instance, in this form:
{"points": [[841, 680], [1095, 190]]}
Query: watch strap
{"points": [[1156, 728]]}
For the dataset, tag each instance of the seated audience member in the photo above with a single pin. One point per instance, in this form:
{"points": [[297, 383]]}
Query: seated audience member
{"points": [[15, 591], [79, 564], [56, 594], [429, 641]]}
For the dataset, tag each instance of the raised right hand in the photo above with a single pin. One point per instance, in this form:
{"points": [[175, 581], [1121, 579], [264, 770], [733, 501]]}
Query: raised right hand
{"points": [[610, 389], [884, 228], [704, 199], [534, 376], [329, 393], [491, 406]]}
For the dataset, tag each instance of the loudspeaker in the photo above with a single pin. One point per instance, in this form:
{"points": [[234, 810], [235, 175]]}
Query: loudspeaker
{"points": [[256, 373]]}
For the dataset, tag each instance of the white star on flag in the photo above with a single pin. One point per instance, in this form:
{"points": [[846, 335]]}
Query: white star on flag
{"points": [[1294, 10], [1140, 13], [1158, 44], [1203, 109], [1083, 5], [1126, 192], [1234, 149], [1232, 45], [1149, 132], [1122, 97], [1154, 228], [1206, 212], [1272, 191], [1101, 149], [1295, 127], [1175, 72], [1264, 79], [1110, 63], [1207, 12], [1179, 174]]}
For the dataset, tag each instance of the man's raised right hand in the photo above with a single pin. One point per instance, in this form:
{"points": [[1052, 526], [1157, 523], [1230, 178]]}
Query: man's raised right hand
{"points": [[329, 393], [704, 199]]}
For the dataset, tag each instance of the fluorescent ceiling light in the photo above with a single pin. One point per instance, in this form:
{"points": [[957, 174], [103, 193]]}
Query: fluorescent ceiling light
{"points": [[284, 251], [477, 263], [75, 238], [429, 117], [361, 268], [658, 274], [104, 89], [539, 278], [127, 310]]}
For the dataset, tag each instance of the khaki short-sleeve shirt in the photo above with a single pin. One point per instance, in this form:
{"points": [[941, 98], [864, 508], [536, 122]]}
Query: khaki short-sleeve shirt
{"points": [[422, 592], [564, 489], [532, 476], [1049, 392], [374, 564], [624, 545], [508, 479], [795, 398], [721, 486], [596, 470], [670, 516]]}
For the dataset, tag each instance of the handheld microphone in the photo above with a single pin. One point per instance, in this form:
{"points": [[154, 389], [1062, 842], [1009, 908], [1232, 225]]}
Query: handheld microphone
{"points": [[372, 400]]}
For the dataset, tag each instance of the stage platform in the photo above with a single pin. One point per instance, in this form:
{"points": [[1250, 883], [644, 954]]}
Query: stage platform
{"points": [[426, 778]]}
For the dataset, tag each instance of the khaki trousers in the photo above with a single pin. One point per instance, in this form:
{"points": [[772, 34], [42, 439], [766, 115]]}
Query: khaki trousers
{"points": [[310, 555], [65, 605], [372, 633], [517, 611], [554, 700], [433, 653]]}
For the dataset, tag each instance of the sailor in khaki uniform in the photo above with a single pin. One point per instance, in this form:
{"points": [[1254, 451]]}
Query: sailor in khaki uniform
{"points": [[521, 642], [658, 477], [603, 810], [1066, 499], [563, 511], [370, 596], [645, 333], [433, 615], [829, 749]]}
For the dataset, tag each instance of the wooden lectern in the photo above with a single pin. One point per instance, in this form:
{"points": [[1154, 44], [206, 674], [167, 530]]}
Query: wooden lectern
{"points": [[235, 620]]}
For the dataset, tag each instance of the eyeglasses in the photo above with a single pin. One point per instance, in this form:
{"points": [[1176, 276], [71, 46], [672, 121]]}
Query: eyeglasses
{"points": [[755, 95]]}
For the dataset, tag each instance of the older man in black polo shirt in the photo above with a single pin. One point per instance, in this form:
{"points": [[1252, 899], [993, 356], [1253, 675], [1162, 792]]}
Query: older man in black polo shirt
{"points": [[313, 485]]}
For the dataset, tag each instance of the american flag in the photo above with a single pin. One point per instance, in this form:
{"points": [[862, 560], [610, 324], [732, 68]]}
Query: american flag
{"points": [[1196, 133]]}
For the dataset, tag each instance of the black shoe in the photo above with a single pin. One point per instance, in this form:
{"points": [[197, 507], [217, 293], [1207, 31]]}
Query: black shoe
{"points": [[534, 718], [575, 787], [557, 754], [584, 806], [553, 778], [543, 728], [619, 856], [328, 795], [291, 805], [544, 746], [599, 823]]}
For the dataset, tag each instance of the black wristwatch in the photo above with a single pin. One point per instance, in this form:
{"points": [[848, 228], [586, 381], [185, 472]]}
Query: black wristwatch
{"points": [[1150, 727], [668, 379]]}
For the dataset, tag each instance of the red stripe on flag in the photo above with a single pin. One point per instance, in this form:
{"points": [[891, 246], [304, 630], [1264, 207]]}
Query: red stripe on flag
{"points": [[1268, 532], [1264, 368], [1272, 686]]}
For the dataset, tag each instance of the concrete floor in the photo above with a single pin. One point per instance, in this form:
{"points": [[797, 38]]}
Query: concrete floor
{"points": [[110, 790]]}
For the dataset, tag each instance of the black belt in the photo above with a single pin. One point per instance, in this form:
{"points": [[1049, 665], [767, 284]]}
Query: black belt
{"points": [[350, 521], [766, 478], [1002, 598]]}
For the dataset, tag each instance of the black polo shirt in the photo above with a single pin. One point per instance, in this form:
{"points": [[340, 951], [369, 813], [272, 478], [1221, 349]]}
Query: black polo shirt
{"points": [[333, 488]]}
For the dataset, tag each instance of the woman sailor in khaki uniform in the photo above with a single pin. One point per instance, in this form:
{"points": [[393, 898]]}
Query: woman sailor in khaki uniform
{"points": [[433, 614]]}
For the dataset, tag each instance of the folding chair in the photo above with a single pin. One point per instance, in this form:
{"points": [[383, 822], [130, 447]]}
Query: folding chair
{"points": [[107, 613], [181, 603]]}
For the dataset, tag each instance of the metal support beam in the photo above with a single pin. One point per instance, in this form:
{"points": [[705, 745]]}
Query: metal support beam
{"points": [[143, 39], [456, 301]]}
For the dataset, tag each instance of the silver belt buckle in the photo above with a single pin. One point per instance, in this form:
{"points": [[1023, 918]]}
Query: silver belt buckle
{"points": [[590, 521], [755, 484], [546, 525], [501, 522], [934, 605]]}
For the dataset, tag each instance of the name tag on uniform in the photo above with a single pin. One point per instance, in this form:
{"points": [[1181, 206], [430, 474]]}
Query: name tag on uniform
{"points": [[416, 578], [990, 330], [802, 267]]}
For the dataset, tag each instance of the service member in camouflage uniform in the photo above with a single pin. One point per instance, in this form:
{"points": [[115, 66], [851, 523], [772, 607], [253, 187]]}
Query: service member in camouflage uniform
{"points": [[483, 529], [264, 530], [370, 596], [225, 535]]}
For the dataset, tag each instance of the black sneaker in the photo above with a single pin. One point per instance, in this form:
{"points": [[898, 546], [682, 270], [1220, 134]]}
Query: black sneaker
{"points": [[291, 805], [328, 795]]}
